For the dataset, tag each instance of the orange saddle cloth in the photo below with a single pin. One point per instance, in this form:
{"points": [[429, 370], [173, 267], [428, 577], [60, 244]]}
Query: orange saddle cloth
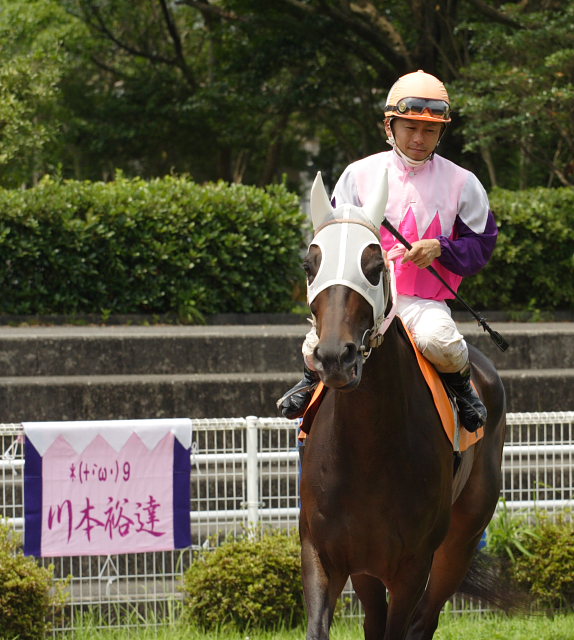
{"points": [[460, 438]]}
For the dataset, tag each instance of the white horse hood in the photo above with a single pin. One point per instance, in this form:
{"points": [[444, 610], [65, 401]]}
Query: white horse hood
{"points": [[342, 234]]}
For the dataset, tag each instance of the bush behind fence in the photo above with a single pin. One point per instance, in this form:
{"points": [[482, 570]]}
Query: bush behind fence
{"points": [[144, 589]]}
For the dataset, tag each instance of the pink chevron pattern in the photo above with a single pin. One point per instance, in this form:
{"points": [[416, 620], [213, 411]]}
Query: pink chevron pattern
{"points": [[411, 280]]}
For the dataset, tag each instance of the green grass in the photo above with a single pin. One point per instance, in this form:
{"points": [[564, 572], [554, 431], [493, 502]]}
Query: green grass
{"points": [[452, 627], [493, 627]]}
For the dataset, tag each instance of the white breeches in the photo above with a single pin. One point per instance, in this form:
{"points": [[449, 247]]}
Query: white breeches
{"points": [[432, 327], [434, 332]]}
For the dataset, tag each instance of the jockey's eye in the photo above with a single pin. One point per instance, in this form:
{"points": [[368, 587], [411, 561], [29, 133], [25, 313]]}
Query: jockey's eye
{"points": [[372, 263], [311, 262]]}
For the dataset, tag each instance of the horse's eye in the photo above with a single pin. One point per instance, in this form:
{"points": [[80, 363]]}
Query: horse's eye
{"points": [[372, 263], [308, 268], [312, 262]]}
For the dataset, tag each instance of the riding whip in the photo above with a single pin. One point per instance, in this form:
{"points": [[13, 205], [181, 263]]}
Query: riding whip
{"points": [[498, 340]]}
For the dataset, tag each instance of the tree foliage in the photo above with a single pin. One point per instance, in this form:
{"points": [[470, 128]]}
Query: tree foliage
{"points": [[31, 63], [517, 97], [247, 90]]}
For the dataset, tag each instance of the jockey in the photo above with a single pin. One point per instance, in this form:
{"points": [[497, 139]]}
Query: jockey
{"points": [[443, 211]]}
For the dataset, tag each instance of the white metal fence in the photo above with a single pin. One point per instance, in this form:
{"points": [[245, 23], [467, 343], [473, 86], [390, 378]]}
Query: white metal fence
{"points": [[245, 472]]}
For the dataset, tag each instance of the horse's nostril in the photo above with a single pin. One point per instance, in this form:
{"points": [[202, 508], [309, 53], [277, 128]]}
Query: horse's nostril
{"points": [[349, 353], [341, 356], [318, 354]]}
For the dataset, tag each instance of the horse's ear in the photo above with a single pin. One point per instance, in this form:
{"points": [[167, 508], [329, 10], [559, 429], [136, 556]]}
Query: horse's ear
{"points": [[321, 209], [377, 203]]}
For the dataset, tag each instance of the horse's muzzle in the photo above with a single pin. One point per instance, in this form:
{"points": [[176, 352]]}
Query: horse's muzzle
{"points": [[340, 367]]}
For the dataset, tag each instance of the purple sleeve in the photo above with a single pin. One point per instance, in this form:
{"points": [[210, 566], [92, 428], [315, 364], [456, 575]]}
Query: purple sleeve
{"points": [[468, 252]]}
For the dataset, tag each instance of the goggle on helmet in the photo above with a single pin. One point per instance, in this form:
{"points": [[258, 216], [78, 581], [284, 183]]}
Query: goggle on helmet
{"points": [[419, 96]]}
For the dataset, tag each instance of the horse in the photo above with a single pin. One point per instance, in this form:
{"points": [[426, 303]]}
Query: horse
{"points": [[384, 499]]}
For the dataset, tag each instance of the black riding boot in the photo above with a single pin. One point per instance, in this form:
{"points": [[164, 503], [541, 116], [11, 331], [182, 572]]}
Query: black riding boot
{"points": [[471, 410], [295, 401]]}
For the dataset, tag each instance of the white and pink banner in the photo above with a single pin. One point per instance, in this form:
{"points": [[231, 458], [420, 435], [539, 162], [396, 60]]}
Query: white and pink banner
{"points": [[106, 487]]}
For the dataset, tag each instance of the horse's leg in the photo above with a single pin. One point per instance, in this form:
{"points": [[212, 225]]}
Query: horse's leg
{"points": [[406, 590], [470, 515], [321, 589], [451, 562], [373, 596], [473, 508]]}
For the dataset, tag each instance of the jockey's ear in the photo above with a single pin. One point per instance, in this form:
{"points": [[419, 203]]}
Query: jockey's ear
{"points": [[388, 128], [374, 209], [321, 209]]}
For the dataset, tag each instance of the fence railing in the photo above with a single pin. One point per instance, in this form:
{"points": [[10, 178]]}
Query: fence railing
{"points": [[245, 472]]}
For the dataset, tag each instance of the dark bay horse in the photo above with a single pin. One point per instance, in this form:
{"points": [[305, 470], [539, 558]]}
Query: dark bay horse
{"points": [[380, 500]]}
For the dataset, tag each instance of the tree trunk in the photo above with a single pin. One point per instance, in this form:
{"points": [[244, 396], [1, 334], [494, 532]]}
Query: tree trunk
{"points": [[487, 157]]}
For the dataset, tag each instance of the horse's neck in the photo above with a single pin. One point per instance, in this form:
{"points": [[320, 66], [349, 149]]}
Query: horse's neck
{"points": [[387, 384], [390, 366]]}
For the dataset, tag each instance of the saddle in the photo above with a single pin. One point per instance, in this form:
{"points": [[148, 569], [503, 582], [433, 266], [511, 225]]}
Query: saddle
{"points": [[460, 438]]}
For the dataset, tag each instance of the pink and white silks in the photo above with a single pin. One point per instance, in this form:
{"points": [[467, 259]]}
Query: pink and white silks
{"points": [[437, 199]]}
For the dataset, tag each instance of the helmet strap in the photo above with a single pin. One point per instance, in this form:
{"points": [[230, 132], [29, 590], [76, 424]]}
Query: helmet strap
{"points": [[403, 156]]}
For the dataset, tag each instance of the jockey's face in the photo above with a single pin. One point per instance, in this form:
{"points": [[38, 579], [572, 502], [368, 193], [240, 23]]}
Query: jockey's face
{"points": [[415, 138]]}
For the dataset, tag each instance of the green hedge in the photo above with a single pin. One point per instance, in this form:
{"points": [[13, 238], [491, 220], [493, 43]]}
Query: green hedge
{"points": [[29, 596], [247, 583], [538, 552], [547, 570], [158, 247], [170, 246], [532, 267]]}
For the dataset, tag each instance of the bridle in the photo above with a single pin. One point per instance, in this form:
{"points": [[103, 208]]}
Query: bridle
{"points": [[367, 225], [382, 306]]}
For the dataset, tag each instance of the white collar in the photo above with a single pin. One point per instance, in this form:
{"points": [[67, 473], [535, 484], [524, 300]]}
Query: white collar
{"points": [[409, 162]]}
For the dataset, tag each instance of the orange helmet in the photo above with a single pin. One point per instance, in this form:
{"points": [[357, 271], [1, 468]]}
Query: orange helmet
{"points": [[418, 96]]}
